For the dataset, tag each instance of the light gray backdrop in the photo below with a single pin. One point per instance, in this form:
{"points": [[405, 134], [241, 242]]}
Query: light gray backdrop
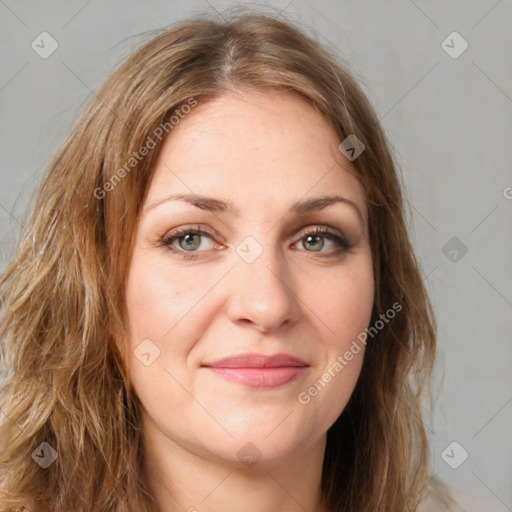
{"points": [[448, 112]]}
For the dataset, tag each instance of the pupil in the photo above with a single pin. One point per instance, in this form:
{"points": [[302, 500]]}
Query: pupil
{"points": [[315, 238], [190, 242]]}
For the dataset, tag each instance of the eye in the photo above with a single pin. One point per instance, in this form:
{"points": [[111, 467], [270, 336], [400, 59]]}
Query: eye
{"points": [[187, 240], [316, 240]]}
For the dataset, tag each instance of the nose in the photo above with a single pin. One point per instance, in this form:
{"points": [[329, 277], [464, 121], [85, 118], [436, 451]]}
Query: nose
{"points": [[262, 294]]}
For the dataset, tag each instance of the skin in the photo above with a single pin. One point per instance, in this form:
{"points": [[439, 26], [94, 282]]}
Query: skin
{"points": [[263, 152]]}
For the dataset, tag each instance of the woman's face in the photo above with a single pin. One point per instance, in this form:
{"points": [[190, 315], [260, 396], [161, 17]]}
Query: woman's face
{"points": [[234, 274]]}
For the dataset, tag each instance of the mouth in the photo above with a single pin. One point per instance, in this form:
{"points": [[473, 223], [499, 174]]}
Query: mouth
{"points": [[258, 370]]}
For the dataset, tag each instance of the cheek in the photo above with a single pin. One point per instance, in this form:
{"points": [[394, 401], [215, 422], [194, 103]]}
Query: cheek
{"points": [[157, 301], [159, 306], [345, 305]]}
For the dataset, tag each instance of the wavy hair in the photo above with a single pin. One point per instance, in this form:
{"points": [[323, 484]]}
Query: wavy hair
{"points": [[63, 299]]}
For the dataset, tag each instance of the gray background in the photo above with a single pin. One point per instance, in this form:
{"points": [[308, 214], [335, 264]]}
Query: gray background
{"points": [[448, 118]]}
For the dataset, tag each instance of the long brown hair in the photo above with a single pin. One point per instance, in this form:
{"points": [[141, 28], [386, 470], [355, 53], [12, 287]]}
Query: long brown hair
{"points": [[62, 295]]}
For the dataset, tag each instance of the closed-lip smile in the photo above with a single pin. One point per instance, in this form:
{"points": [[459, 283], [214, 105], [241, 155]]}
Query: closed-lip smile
{"points": [[258, 370]]}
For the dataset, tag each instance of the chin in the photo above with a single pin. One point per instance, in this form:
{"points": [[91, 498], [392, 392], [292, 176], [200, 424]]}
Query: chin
{"points": [[263, 445]]}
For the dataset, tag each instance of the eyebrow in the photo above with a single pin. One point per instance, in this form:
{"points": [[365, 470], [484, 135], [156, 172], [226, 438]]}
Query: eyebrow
{"points": [[301, 207]]}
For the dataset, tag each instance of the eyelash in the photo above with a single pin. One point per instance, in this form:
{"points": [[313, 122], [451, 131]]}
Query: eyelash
{"points": [[342, 243]]}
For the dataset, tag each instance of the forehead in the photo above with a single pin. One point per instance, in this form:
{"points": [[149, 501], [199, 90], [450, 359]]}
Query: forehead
{"points": [[263, 148]]}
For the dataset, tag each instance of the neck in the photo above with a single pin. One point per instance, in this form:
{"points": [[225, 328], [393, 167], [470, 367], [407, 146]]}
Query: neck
{"points": [[181, 480]]}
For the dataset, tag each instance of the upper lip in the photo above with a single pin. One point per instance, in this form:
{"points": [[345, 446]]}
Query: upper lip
{"points": [[257, 361]]}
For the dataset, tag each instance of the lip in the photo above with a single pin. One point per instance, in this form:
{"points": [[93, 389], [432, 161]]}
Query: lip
{"points": [[259, 370]]}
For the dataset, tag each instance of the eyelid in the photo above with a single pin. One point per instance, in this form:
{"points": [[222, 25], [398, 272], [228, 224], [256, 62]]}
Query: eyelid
{"points": [[182, 230], [321, 228], [201, 229]]}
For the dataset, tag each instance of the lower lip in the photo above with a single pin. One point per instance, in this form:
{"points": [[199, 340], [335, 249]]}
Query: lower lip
{"points": [[261, 377]]}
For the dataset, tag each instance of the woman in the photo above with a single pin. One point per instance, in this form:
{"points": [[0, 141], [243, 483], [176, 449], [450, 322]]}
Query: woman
{"points": [[217, 305]]}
